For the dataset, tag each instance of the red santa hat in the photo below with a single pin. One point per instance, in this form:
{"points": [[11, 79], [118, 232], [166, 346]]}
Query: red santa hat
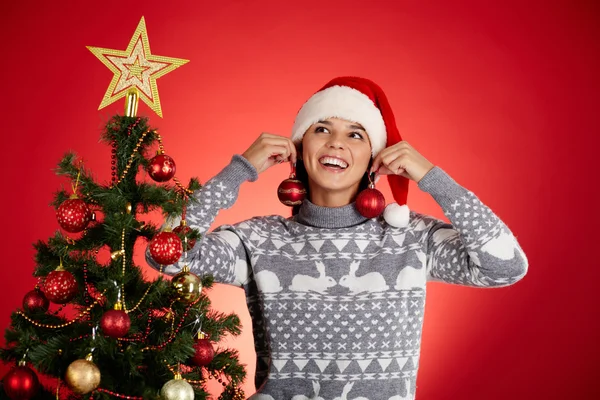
{"points": [[363, 101]]}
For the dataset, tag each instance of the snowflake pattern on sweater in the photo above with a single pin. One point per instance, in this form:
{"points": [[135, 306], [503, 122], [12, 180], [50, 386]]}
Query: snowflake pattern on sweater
{"points": [[337, 300]]}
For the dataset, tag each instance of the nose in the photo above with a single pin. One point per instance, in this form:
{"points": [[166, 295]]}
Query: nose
{"points": [[335, 142]]}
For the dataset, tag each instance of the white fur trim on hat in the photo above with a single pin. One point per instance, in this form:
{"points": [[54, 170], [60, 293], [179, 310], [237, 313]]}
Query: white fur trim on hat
{"points": [[346, 103], [397, 215]]}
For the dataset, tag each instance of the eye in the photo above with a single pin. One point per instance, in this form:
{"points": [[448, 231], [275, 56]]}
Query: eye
{"points": [[321, 129], [356, 135]]}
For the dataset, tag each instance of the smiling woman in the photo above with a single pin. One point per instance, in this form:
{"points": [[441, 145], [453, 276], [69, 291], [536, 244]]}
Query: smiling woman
{"points": [[336, 297], [336, 155]]}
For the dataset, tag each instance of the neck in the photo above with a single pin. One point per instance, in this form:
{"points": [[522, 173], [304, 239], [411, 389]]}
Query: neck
{"points": [[329, 217], [331, 198]]}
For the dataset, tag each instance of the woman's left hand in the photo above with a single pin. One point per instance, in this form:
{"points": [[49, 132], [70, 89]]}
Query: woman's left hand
{"points": [[401, 159]]}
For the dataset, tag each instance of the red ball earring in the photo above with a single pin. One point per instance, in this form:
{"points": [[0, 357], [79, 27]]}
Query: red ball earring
{"points": [[370, 203], [291, 191]]}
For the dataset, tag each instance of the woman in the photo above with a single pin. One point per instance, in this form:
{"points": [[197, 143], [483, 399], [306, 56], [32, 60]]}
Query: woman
{"points": [[336, 298]]}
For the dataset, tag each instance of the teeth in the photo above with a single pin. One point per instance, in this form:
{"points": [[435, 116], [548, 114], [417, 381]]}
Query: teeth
{"points": [[333, 161]]}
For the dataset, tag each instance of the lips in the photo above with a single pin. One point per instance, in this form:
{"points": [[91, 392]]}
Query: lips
{"points": [[333, 162]]}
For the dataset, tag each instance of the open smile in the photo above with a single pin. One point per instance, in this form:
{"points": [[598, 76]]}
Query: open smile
{"points": [[333, 164]]}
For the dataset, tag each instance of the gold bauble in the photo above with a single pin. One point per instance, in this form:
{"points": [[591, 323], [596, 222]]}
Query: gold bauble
{"points": [[82, 376], [187, 285], [177, 389]]}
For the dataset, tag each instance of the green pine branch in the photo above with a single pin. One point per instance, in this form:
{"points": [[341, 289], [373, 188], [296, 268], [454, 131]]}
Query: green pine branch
{"points": [[138, 365]]}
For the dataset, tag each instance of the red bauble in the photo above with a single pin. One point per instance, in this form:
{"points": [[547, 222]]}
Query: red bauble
{"points": [[115, 323], [166, 248], [161, 168], [21, 383], [204, 352], [60, 286], [183, 230], [370, 203], [35, 301], [73, 215], [291, 192]]}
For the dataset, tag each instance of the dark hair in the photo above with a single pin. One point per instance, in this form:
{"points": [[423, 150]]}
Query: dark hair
{"points": [[302, 176]]}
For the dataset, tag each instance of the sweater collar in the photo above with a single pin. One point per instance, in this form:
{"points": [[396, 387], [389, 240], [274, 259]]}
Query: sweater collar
{"points": [[329, 217]]}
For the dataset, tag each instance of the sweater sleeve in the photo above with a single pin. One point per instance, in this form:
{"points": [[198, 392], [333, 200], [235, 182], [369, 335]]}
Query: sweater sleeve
{"points": [[476, 248], [220, 253]]}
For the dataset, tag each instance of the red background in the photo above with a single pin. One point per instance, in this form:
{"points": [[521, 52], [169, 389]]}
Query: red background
{"points": [[503, 96]]}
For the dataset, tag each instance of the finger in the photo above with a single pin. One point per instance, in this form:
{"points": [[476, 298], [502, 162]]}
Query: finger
{"points": [[268, 135], [383, 170], [385, 156], [280, 141], [292, 150], [279, 152], [275, 141], [397, 166], [374, 165], [403, 144], [403, 154], [291, 154], [389, 158], [267, 139], [378, 160]]}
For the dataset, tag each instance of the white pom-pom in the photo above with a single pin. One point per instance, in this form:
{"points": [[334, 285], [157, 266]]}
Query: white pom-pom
{"points": [[397, 215]]}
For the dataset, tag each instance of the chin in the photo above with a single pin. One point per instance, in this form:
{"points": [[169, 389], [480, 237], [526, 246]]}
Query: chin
{"points": [[333, 182], [328, 185]]}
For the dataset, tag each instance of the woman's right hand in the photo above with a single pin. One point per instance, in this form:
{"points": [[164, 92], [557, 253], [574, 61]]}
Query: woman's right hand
{"points": [[269, 150]]}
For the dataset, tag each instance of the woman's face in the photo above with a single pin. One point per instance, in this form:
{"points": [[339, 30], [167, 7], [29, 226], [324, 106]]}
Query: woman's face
{"points": [[336, 155]]}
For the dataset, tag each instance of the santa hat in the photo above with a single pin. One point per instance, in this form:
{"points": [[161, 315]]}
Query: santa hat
{"points": [[359, 100]]}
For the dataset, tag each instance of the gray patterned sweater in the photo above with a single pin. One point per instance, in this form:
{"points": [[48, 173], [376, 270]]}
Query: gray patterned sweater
{"points": [[337, 300]]}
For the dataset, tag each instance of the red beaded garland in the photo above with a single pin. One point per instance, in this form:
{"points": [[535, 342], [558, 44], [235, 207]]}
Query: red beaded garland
{"points": [[121, 396], [130, 127], [173, 335], [113, 166], [183, 230]]}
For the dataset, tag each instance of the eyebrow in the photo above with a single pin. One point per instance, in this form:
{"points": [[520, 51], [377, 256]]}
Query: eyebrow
{"points": [[357, 127], [351, 126]]}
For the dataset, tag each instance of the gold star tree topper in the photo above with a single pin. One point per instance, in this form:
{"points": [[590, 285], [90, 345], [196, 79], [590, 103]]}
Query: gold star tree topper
{"points": [[135, 68]]}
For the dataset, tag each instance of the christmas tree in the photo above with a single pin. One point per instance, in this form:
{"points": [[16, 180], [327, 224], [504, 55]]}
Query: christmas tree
{"points": [[96, 328]]}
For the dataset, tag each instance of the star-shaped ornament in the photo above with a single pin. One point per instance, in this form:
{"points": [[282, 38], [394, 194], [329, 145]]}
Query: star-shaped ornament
{"points": [[135, 68]]}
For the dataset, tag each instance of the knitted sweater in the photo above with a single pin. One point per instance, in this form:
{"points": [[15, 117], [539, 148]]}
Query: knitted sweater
{"points": [[337, 300]]}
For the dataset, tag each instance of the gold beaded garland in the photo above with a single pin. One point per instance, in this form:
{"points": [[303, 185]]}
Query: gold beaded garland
{"points": [[126, 170], [124, 265], [59, 326], [141, 300], [162, 150]]}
